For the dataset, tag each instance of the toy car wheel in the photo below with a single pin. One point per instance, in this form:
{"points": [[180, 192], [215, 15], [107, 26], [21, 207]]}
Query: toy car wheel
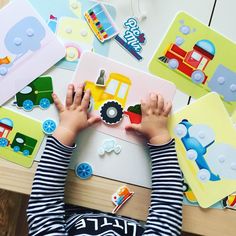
{"points": [[44, 103], [49, 126], [204, 175], [198, 76], [83, 170], [192, 154], [26, 152], [28, 105], [3, 142], [16, 148], [173, 64], [181, 130], [111, 112], [185, 187]]}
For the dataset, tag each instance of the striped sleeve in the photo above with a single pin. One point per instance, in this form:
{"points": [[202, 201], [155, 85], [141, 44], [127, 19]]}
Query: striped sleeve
{"points": [[45, 213], [165, 212]]}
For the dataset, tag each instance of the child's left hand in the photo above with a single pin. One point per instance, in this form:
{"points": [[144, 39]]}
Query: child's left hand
{"points": [[74, 115]]}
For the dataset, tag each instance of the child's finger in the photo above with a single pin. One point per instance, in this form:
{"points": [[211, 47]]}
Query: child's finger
{"points": [[78, 95], [85, 100], [94, 119], [69, 95], [57, 103], [153, 101], [167, 109], [160, 103], [133, 127], [144, 107]]}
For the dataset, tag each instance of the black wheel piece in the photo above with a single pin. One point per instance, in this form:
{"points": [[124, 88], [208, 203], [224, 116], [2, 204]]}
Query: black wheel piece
{"points": [[111, 112]]}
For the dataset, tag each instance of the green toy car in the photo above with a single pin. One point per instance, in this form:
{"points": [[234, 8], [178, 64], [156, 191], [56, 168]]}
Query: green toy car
{"points": [[37, 93]]}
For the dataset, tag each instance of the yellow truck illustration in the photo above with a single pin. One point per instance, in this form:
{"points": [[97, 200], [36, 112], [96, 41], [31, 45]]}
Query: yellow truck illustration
{"points": [[110, 98]]}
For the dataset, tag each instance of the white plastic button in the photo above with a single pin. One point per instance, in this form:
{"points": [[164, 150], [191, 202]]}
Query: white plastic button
{"points": [[17, 41], [30, 32], [221, 80]]}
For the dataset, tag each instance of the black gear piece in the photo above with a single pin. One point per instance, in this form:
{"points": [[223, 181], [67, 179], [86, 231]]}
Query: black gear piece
{"points": [[111, 112]]}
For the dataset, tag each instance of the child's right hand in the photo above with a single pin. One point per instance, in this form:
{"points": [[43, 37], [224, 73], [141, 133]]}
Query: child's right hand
{"points": [[154, 120]]}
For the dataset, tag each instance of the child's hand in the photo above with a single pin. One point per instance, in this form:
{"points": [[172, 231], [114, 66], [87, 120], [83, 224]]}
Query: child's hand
{"points": [[154, 120], [73, 116]]}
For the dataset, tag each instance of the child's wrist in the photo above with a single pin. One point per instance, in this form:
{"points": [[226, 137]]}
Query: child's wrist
{"points": [[159, 139], [65, 135]]}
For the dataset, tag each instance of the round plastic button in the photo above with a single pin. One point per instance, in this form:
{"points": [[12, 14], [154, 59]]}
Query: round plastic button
{"points": [[17, 41], [83, 170]]}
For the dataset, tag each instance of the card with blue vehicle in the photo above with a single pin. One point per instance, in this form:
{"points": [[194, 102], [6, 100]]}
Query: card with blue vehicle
{"points": [[20, 137], [205, 143], [37, 93], [197, 59]]}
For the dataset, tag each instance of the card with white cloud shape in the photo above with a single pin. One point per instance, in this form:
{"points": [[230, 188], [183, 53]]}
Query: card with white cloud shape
{"points": [[205, 143], [197, 59]]}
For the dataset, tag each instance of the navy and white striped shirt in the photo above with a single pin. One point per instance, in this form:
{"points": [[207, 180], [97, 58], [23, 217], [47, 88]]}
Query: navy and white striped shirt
{"points": [[48, 214]]}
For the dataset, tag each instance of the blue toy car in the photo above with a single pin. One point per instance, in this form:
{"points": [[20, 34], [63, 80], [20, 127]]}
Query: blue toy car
{"points": [[195, 150]]}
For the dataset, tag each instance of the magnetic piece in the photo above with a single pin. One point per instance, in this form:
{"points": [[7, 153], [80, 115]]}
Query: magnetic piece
{"points": [[221, 158], [181, 130], [5, 60], [108, 146], [192, 154], [30, 32], [83, 170], [226, 87], [111, 112], [17, 41], [127, 47], [37, 93], [134, 113], [101, 22], [204, 175], [84, 32], [72, 53], [101, 79], [230, 201], [120, 197], [68, 30], [198, 130], [15, 145], [49, 126]]}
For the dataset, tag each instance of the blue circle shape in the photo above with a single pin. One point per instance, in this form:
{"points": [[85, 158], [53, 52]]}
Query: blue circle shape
{"points": [[28, 105], [26, 152], [44, 103], [173, 64], [16, 148], [83, 170], [197, 76], [3, 142], [3, 71], [49, 126]]}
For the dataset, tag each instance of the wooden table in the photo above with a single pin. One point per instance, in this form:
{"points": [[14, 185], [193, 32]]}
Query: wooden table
{"points": [[96, 193]]}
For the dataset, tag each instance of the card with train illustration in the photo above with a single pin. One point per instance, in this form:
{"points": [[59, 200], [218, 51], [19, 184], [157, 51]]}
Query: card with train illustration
{"points": [[25, 43], [67, 20], [197, 59], [116, 91], [20, 137], [205, 143]]}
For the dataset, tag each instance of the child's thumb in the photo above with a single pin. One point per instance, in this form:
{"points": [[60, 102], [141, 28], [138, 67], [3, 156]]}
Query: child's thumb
{"points": [[133, 127]]}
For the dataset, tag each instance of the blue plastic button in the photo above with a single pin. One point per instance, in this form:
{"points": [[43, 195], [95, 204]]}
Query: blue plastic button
{"points": [[49, 126], [83, 170]]}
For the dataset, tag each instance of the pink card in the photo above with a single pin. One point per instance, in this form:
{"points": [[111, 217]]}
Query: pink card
{"points": [[27, 48], [115, 88]]}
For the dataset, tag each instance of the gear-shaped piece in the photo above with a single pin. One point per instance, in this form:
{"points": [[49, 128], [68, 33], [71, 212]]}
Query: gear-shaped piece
{"points": [[111, 112]]}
